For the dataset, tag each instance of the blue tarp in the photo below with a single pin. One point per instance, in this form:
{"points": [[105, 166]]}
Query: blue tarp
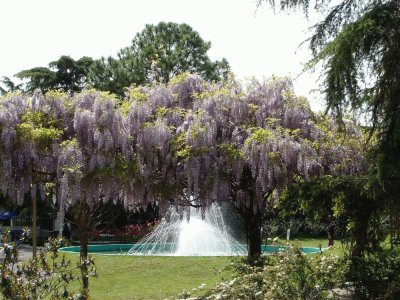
{"points": [[6, 215]]}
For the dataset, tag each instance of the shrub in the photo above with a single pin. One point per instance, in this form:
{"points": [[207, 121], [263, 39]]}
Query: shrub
{"points": [[375, 276], [128, 234], [302, 277], [287, 274], [48, 276]]}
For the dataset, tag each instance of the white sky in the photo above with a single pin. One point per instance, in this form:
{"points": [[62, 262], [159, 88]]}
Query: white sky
{"points": [[255, 43]]}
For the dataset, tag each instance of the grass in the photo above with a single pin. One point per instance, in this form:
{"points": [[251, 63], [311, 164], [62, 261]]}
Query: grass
{"points": [[323, 242], [138, 277], [134, 277]]}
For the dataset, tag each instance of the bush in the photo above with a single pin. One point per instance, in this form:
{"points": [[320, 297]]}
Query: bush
{"points": [[128, 234], [48, 276], [375, 276], [302, 277], [298, 226], [288, 274]]}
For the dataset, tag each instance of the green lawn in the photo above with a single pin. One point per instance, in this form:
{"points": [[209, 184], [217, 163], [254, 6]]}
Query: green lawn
{"points": [[140, 277], [316, 242], [133, 277]]}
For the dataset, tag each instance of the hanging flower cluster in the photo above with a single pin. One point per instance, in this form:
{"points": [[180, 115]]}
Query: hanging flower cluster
{"points": [[189, 143]]}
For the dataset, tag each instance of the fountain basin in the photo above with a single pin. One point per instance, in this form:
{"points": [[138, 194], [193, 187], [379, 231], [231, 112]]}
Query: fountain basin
{"points": [[168, 250]]}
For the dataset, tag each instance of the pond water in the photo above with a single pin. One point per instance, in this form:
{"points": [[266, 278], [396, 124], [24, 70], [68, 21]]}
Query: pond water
{"points": [[167, 250]]}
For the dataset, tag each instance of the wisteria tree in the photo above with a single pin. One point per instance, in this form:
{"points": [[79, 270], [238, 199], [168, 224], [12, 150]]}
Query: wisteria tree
{"points": [[92, 163], [209, 142], [72, 146], [30, 129], [187, 143]]}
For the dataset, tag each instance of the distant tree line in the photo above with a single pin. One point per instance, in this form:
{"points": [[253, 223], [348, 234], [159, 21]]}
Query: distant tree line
{"points": [[158, 53]]}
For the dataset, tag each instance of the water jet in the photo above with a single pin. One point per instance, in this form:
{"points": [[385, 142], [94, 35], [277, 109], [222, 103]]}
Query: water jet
{"points": [[178, 235], [190, 235]]}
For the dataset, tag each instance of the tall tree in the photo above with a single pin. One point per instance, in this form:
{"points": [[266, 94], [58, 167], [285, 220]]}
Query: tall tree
{"points": [[158, 53], [358, 43], [9, 86], [41, 78], [108, 74], [30, 128], [71, 75], [162, 51], [198, 143], [65, 73], [86, 160]]}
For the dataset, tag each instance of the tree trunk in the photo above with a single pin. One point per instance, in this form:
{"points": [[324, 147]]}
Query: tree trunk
{"points": [[84, 241], [253, 234], [251, 214], [84, 268], [361, 234], [34, 223], [62, 220]]}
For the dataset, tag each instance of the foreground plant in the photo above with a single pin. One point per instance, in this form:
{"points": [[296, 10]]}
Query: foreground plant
{"points": [[284, 274], [48, 276], [375, 275]]}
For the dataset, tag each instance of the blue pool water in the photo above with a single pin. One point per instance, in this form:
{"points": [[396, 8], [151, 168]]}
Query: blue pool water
{"points": [[167, 249]]}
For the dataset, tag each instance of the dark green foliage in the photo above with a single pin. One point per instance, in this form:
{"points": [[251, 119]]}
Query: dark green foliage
{"points": [[38, 78], [347, 200], [358, 43], [71, 75], [314, 198], [376, 276], [8, 86], [65, 73], [163, 51], [108, 74], [158, 53]]}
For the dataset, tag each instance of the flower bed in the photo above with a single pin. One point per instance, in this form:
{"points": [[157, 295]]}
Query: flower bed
{"points": [[127, 234]]}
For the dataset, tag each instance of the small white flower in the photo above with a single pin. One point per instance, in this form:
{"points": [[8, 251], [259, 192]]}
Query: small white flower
{"points": [[232, 282]]}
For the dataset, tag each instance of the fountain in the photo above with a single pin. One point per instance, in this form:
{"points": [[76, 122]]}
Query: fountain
{"points": [[198, 236], [177, 236]]}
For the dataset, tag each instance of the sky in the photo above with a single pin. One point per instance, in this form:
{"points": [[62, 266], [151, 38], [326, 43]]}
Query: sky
{"points": [[256, 42]]}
